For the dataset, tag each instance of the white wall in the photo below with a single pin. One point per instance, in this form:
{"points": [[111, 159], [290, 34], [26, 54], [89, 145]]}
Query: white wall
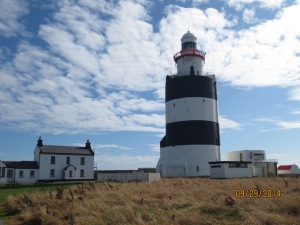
{"points": [[184, 64], [237, 172], [2, 179], [224, 171], [26, 175], [66, 173], [36, 155], [217, 170], [153, 177], [187, 158], [192, 108], [60, 164], [294, 170], [128, 177], [258, 170]]}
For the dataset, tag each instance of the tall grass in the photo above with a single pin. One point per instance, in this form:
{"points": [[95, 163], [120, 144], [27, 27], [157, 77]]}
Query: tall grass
{"points": [[170, 201], [29, 188]]}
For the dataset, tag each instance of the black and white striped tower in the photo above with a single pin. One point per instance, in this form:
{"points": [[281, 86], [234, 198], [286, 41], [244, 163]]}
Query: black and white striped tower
{"points": [[192, 130]]}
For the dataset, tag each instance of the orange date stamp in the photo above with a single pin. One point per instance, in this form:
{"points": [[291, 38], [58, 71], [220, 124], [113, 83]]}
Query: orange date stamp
{"points": [[253, 193]]}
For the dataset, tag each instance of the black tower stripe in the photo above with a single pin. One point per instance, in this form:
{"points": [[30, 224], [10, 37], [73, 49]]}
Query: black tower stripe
{"points": [[190, 86], [193, 132]]}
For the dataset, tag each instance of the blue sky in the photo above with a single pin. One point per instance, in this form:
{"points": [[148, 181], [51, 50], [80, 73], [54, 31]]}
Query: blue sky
{"points": [[94, 69]]}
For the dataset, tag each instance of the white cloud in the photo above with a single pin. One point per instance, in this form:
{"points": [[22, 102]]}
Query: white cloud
{"points": [[154, 147], [248, 16], [194, 2], [54, 91], [228, 124], [272, 120], [295, 94], [10, 17], [62, 42], [253, 57], [289, 125], [200, 1], [97, 74], [280, 124], [295, 112], [108, 146], [271, 4]]}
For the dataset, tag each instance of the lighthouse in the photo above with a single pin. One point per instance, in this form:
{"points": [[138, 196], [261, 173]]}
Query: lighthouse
{"points": [[192, 129]]}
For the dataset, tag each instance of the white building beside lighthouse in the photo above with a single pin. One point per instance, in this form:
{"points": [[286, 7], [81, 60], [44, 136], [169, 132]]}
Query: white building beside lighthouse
{"points": [[192, 130]]}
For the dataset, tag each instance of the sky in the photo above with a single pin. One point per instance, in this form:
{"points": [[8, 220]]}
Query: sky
{"points": [[72, 70]]}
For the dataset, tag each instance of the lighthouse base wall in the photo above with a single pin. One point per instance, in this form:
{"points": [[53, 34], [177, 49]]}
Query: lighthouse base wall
{"points": [[187, 160]]}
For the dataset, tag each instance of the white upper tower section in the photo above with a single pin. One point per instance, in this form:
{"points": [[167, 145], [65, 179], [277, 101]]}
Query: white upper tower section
{"points": [[189, 60]]}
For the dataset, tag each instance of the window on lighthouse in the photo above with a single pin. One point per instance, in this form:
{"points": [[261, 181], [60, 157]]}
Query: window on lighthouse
{"points": [[186, 45], [192, 72]]}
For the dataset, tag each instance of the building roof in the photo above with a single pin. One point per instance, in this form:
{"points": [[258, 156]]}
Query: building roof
{"points": [[188, 36], [147, 170], [116, 171], [21, 164], [285, 167], [65, 150]]}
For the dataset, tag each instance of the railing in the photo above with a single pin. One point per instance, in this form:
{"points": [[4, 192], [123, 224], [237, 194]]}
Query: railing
{"points": [[270, 160], [186, 73], [189, 52]]}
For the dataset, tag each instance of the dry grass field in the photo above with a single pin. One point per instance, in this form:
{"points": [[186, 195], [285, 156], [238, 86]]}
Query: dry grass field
{"points": [[170, 201]]}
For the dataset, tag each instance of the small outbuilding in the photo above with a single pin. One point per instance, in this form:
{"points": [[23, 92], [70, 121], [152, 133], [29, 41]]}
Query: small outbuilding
{"points": [[230, 169], [288, 170], [18, 171], [255, 156], [140, 175], [261, 167]]}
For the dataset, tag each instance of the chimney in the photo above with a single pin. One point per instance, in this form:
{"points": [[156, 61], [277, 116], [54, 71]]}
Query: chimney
{"points": [[39, 142], [88, 144]]}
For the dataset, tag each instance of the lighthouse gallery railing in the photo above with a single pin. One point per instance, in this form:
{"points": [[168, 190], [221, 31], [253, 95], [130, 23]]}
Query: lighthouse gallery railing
{"points": [[189, 52]]}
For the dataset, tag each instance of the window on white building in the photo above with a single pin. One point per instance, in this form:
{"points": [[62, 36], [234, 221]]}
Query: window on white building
{"points": [[70, 173], [52, 159], [31, 173], [215, 166], [232, 165], [82, 161], [259, 156], [21, 173], [68, 160], [2, 173], [81, 173], [243, 165], [52, 173], [238, 164]]}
